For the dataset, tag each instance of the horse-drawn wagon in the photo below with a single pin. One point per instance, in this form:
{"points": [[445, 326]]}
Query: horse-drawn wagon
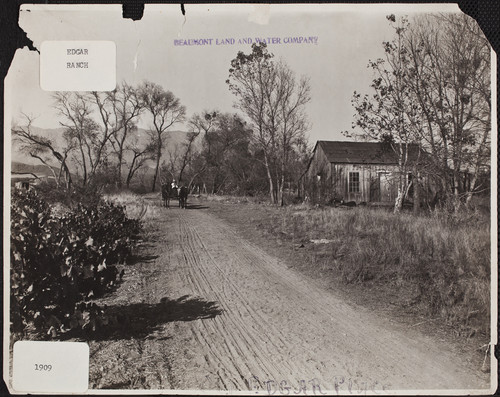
{"points": [[169, 192]]}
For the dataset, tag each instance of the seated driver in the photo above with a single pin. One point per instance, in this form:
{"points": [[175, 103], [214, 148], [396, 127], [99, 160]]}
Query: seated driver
{"points": [[174, 185]]}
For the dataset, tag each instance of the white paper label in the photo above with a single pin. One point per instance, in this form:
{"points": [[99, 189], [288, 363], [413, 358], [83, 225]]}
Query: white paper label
{"points": [[50, 367], [78, 66]]}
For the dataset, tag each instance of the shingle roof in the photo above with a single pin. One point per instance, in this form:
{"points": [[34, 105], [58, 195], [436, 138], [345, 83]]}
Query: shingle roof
{"points": [[362, 152]]}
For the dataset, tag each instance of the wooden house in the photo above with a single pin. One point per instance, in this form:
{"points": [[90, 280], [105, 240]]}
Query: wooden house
{"points": [[355, 171]]}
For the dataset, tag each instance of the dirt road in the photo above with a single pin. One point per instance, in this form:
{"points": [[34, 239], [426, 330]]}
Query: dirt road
{"points": [[240, 319]]}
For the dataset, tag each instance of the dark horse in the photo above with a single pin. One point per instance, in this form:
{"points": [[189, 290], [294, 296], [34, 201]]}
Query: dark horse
{"points": [[168, 192], [183, 195]]}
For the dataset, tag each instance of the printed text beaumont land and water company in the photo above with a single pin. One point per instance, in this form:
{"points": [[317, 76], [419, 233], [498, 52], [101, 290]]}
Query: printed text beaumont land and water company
{"points": [[246, 40]]}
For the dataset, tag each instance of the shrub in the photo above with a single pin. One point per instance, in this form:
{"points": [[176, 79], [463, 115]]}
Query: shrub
{"points": [[60, 261]]}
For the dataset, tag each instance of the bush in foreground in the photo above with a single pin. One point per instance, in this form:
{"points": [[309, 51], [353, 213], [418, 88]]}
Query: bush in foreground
{"points": [[60, 262]]}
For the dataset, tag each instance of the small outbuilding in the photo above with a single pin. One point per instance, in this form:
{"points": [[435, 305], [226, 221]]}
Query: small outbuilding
{"points": [[23, 181], [357, 171]]}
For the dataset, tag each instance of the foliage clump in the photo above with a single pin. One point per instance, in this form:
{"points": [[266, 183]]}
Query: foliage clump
{"points": [[61, 262]]}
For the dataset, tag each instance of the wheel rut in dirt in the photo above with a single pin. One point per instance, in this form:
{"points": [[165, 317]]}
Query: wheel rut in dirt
{"points": [[278, 328]]}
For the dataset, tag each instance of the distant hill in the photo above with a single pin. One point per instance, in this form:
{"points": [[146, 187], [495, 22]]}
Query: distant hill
{"points": [[21, 168], [29, 172], [25, 164], [174, 137]]}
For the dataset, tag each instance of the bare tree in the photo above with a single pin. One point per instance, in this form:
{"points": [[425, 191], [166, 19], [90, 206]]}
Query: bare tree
{"points": [[291, 98], [450, 70], [389, 114], [249, 76], [126, 108], [432, 89], [82, 131], [44, 150], [139, 158], [268, 94], [188, 151], [199, 124], [166, 110], [171, 164]]}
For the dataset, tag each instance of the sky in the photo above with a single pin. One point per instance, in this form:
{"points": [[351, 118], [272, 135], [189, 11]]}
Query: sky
{"points": [[345, 38]]}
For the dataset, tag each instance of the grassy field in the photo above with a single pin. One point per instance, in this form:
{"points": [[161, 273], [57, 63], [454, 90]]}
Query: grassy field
{"points": [[436, 264]]}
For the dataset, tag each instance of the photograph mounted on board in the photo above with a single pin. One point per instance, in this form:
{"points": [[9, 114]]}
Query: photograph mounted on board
{"points": [[271, 199]]}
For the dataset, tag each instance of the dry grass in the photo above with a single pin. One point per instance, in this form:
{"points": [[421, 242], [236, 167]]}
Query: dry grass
{"points": [[441, 262], [145, 208], [141, 207], [233, 199]]}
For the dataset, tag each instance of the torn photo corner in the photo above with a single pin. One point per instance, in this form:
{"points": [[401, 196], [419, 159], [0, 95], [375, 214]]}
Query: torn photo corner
{"points": [[252, 198]]}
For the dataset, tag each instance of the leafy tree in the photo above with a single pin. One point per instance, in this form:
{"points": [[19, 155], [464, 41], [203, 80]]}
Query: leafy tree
{"points": [[220, 135], [245, 174], [218, 146]]}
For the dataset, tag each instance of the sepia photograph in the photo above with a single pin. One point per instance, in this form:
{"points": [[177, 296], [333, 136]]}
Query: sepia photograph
{"points": [[251, 198]]}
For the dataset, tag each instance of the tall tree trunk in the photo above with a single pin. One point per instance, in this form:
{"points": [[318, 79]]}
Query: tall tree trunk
{"points": [[456, 190], [282, 184], [398, 205], [271, 188], [119, 169], [157, 168], [214, 183], [67, 174], [416, 191], [281, 201], [270, 178], [403, 188], [64, 166], [84, 165], [59, 175], [131, 171], [470, 191]]}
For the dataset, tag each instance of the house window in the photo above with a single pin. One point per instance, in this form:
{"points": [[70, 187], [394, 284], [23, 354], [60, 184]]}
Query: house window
{"points": [[353, 182]]}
